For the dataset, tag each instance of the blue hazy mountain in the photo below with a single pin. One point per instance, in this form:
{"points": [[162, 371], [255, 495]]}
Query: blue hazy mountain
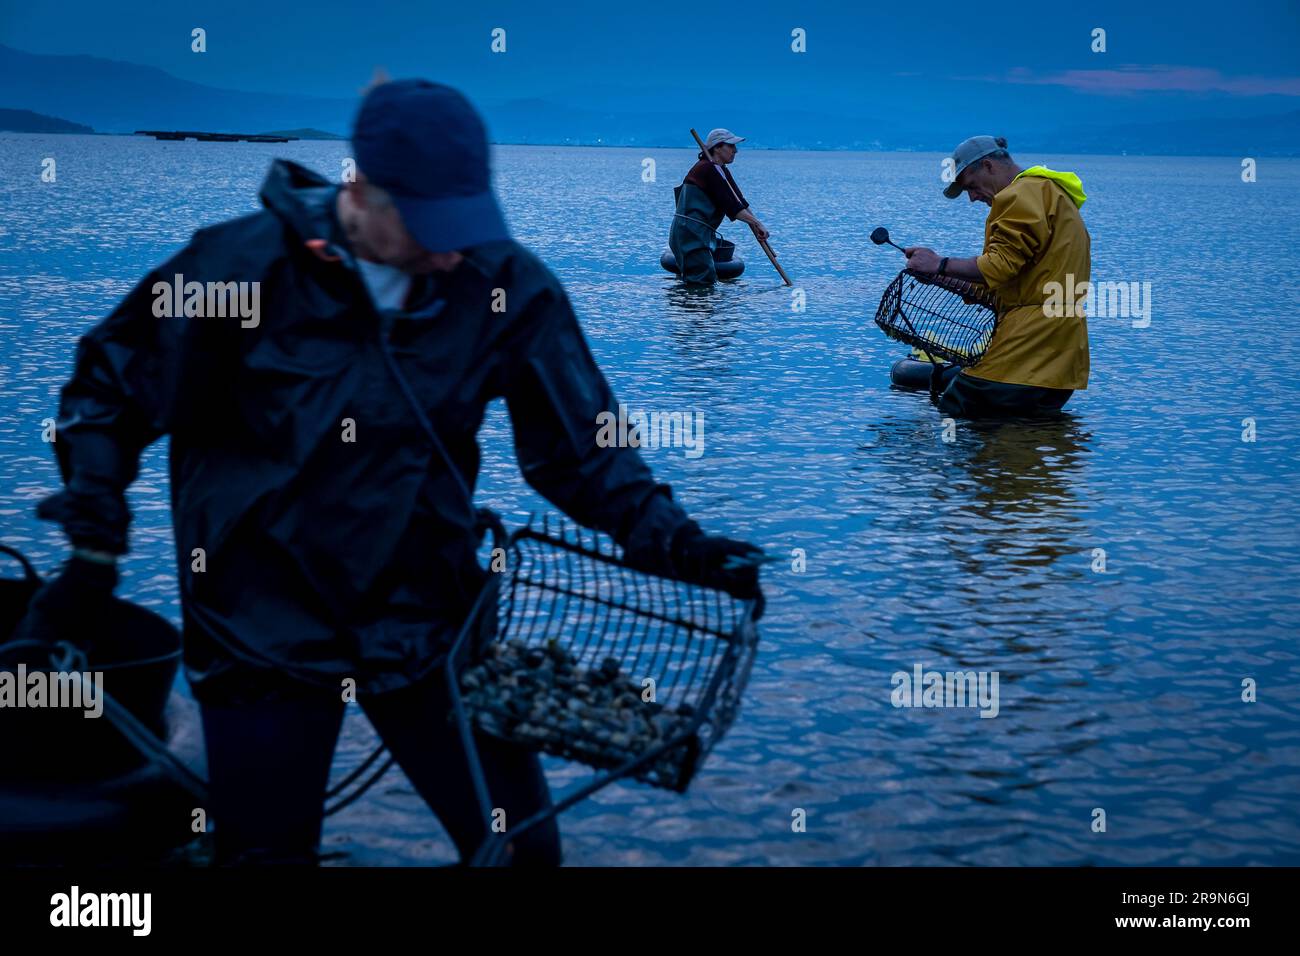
{"points": [[117, 97], [114, 96], [25, 121]]}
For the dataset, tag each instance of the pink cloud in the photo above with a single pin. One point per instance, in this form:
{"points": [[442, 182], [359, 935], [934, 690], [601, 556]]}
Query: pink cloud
{"points": [[1142, 79]]}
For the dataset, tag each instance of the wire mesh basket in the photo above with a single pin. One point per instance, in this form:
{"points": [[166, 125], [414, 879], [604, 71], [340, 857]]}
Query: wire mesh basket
{"points": [[591, 660], [946, 318]]}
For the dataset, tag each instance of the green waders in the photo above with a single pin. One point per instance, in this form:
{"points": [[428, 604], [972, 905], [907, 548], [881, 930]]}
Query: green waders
{"points": [[694, 236]]}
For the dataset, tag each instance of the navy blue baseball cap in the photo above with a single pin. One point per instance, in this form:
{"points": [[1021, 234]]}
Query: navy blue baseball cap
{"points": [[426, 146]]}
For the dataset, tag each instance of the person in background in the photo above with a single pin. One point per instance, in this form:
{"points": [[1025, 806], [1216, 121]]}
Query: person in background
{"points": [[1034, 236], [323, 461], [706, 195]]}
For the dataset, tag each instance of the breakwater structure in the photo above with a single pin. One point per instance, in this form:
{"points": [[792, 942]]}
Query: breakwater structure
{"points": [[183, 134]]}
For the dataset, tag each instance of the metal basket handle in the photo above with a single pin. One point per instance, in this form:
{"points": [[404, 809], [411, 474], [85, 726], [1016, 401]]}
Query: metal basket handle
{"points": [[29, 571]]}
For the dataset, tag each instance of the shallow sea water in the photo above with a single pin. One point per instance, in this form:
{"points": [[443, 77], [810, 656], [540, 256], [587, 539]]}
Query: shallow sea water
{"points": [[1119, 690]]}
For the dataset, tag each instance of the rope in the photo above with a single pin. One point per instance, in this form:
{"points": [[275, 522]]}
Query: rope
{"points": [[477, 777], [339, 787], [360, 791], [66, 658], [71, 660], [679, 215]]}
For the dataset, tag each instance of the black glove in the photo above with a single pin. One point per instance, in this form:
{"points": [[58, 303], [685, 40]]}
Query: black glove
{"points": [[72, 607], [718, 562]]}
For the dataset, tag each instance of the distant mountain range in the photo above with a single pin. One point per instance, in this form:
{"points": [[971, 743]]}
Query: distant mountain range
{"points": [[25, 121], [114, 97]]}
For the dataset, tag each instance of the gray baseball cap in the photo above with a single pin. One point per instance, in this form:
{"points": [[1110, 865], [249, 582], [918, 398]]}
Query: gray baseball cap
{"points": [[970, 151], [720, 135]]}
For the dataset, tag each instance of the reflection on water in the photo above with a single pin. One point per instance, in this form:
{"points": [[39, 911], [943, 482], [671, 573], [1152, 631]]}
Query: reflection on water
{"points": [[1021, 476], [1120, 685]]}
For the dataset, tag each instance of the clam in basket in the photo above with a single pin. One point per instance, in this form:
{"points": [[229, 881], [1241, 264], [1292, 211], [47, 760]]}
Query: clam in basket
{"points": [[945, 318], [575, 653]]}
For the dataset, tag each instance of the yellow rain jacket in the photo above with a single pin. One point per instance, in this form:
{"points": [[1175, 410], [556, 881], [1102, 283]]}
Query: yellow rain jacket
{"points": [[1035, 236]]}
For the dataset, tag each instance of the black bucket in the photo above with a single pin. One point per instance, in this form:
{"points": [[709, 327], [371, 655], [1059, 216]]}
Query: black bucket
{"points": [[138, 654]]}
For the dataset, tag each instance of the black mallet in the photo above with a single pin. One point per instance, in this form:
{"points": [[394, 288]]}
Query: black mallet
{"points": [[880, 236]]}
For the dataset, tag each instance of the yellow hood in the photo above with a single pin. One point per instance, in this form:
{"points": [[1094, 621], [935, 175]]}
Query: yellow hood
{"points": [[1067, 181]]}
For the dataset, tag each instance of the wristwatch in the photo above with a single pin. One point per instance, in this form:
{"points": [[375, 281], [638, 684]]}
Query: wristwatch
{"points": [[943, 265], [98, 557]]}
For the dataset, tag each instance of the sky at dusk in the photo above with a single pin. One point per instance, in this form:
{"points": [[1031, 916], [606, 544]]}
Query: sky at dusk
{"points": [[890, 76], [616, 52]]}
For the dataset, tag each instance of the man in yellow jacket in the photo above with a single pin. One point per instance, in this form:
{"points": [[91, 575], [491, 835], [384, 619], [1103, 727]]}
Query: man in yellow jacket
{"points": [[1034, 237]]}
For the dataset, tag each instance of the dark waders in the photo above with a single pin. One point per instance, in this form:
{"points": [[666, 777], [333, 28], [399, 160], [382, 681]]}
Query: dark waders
{"points": [[965, 396], [694, 235]]}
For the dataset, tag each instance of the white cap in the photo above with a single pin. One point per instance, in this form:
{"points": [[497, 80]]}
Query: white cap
{"points": [[717, 136]]}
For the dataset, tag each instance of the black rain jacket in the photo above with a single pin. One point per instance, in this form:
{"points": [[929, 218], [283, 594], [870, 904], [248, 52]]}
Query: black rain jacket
{"points": [[324, 558]]}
